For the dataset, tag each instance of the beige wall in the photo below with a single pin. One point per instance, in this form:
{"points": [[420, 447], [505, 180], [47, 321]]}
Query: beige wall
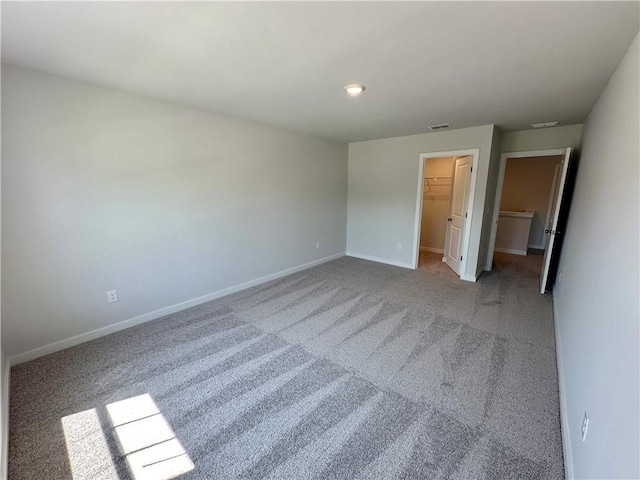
{"points": [[383, 187], [527, 186], [513, 232], [541, 139], [522, 141], [485, 259], [169, 205], [596, 302], [435, 204]]}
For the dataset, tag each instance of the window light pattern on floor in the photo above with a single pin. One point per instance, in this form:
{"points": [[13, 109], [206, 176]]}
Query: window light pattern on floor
{"points": [[152, 449], [87, 447], [146, 440]]}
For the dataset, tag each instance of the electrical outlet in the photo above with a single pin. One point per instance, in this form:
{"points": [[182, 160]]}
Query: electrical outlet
{"points": [[399, 246], [585, 425], [317, 245], [112, 296]]}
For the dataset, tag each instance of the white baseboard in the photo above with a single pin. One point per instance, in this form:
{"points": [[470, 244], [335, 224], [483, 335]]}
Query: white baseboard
{"points": [[131, 322], [379, 260], [431, 249], [4, 422], [537, 247], [511, 250], [564, 420], [489, 265]]}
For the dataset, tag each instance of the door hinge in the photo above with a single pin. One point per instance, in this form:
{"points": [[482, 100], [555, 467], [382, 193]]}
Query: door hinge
{"points": [[471, 169], [460, 257], [465, 214]]}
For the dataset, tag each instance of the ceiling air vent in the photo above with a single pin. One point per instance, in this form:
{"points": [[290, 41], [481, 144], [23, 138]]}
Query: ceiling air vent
{"points": [[544, 124], [440, 127]]}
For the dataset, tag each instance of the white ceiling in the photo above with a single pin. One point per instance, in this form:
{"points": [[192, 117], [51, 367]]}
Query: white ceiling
{"points": [[465, 63]]}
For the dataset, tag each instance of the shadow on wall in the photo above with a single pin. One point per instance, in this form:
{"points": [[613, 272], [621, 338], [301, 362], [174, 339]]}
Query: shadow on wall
{"points": [[563, 219]]}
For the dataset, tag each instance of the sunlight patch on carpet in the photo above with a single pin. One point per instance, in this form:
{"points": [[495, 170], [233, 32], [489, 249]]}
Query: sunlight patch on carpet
{"points": [[146, 440], [153, 452], [87, 448]]}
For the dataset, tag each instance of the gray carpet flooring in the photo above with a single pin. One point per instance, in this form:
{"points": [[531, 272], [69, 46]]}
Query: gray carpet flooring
{"points": [[348, 370]]}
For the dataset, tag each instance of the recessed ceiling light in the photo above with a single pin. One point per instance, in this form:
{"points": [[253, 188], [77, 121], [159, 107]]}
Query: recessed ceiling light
{"points": [[354, 89], [544, 124]]}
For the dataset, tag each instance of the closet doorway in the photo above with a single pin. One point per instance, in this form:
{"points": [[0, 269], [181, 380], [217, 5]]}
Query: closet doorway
{"points": [[436, 202], [446, 196]]}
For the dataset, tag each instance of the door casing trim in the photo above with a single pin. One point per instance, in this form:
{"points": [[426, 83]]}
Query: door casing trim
{"points": [[475, 153]]}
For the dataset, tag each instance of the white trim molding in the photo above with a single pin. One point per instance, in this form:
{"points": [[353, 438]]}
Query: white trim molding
{"points": [[475, 154], [469, 278], [131, 322], [371, 258], [432, 250], [510, 250]]}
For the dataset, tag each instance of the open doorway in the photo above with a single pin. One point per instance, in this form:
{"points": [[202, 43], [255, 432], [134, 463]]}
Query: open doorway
{"points": [[528, 194], [436, 202], [445, 209]]}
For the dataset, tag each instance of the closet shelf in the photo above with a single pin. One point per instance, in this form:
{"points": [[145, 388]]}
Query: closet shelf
{"points": [[429, 195], [431, 184], [438, 181]]}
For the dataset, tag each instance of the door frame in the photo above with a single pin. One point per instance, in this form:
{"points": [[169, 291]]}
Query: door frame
{"points": [[500, 184], [475, 154], [552, 198]]}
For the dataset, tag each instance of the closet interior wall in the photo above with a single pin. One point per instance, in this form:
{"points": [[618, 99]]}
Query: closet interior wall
{"points": [[435, 203], [527, 185]]}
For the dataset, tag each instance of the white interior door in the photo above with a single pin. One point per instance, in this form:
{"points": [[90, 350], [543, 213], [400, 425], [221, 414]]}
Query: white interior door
{"points": [[458, 213], [552, 230]]}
